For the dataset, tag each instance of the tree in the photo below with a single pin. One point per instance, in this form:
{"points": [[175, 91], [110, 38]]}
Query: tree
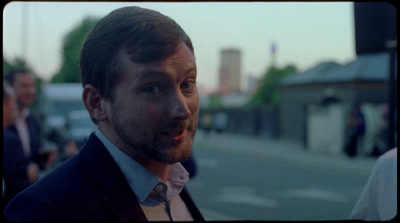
{"points": [[267, 92], [17, 63], [73, 41], [20, 63], [7, 66]]}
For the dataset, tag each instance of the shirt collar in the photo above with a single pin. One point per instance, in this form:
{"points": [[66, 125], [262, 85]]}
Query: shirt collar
{"points": [[23, 114], [142, 181], [177, 179]]}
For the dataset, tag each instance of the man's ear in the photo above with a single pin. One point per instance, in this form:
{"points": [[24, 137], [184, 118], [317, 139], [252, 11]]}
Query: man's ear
{"points": [[93, 99]]}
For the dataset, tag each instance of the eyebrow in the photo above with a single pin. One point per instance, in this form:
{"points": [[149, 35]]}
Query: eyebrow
{"points": [[148, 73]]}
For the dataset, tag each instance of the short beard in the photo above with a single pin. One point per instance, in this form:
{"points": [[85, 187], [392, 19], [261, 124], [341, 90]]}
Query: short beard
{"points": [[151, 146]]}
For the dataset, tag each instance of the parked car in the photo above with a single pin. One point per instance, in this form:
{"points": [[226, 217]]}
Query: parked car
{"points": [[55, 102]]}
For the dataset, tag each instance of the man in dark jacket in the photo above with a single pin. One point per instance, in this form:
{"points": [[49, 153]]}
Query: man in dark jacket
{"points": [[18, 172], [139, 76], [21, 144]]}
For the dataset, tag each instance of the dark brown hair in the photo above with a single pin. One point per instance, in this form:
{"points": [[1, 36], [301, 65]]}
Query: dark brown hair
{"points": [[145, 35]]}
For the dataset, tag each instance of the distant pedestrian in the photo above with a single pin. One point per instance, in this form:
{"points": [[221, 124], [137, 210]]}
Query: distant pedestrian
{"points": [[356, 131], [26, 125], [381, 136], [190, 166], [23, 154], [378, 200], [19, 171]]}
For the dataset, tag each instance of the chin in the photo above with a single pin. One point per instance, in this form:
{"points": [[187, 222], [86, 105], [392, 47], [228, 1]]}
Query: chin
{"points": [[175, 155]]}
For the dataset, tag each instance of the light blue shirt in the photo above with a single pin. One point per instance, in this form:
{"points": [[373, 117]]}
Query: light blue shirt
{"points": [[139, 178], [159, 201]]}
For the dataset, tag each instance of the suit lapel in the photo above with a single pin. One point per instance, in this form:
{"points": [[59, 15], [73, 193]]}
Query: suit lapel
{"points": [[106, 174], [125, 208], [118, 195], [194, 211]]}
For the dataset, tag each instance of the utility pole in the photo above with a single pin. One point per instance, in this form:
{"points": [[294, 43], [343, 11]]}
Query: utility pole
{"points": [[24, 30], [273, 49]]}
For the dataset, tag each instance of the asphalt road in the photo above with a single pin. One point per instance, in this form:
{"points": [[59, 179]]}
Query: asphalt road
{"points": [[246, 186]]}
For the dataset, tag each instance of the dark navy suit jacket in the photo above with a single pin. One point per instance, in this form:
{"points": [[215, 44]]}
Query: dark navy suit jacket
{"points": [[15, 163], [87, 187]]}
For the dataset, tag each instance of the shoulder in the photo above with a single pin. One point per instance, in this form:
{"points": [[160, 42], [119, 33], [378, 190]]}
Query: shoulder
{"points": [[76, 190], [30, 205], [9, 133], [52, 196], [73, 178], [390, 156], [387, 161], [10, 137]]}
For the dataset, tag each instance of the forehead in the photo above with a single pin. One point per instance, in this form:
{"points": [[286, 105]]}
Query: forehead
{"points": [[181, 62], [23, 77]]}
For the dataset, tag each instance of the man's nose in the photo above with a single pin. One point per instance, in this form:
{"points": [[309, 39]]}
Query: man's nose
{"points": [[178, 108], [31, 90]]}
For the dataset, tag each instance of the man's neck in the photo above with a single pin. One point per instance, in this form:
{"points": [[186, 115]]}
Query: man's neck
{"points": [[23, 112], [6, 123], [159, 169]]}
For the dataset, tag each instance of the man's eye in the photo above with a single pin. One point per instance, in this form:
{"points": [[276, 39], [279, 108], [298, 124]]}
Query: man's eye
{"points": [[188, 85], [152, 89]]}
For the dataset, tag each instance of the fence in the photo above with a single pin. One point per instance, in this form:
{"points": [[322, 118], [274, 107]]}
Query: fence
{"points": [[260, 121]]}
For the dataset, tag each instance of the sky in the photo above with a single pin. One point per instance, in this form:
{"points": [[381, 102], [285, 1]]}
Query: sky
{"points": [[305, 33]]}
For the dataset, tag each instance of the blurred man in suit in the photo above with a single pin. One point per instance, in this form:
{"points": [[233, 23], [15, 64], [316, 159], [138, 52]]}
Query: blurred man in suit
{"points": [[18, 169]]}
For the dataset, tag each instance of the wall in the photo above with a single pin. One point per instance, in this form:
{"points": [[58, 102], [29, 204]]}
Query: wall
{"points": [[261, 121]]}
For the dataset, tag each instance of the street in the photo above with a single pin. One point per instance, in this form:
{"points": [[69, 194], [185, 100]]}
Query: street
{"points": [[232, 185]]}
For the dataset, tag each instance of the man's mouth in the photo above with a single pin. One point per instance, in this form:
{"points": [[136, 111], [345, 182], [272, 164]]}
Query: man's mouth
{"points": [[174, 134]]}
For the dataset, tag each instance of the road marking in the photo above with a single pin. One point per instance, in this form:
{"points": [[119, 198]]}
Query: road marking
{"points": [[244, 196], [210, 215], [205, 162], [315, 193]]}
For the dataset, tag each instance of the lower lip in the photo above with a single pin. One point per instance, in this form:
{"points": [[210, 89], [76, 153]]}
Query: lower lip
{"points": [[177, 137]]}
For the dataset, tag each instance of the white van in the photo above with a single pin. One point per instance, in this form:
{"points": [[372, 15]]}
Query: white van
{"points": [[57, 100]]}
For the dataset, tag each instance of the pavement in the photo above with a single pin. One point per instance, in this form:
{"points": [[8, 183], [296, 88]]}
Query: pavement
{"points": [[281, 150]]}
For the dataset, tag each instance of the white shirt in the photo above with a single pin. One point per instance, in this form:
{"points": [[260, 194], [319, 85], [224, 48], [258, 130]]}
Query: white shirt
{"points": [[23, 131], [378, 200], [159, 201]]}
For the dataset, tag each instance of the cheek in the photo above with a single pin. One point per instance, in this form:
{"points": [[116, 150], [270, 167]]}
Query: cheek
{"points": [[194, 104], [151, 114], [5, 109], [26, 95]]}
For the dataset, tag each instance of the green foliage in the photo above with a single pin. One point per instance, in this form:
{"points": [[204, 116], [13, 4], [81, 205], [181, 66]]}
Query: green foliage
{"points": [[73, 42], [17, 63], [7, 66], [20, 63], [267, 92], [215, 101]]}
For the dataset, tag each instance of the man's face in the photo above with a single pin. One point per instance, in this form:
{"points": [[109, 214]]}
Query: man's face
{"points": [[155, 106], [24, 86]]}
